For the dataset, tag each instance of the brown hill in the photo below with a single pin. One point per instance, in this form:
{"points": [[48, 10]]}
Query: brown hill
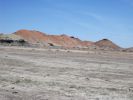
{"points": [[107, 44], [36, 37], [31, 36]]}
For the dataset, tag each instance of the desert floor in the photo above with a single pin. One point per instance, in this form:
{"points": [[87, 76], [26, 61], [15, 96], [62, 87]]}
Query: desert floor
{"points": [[44, 74]]}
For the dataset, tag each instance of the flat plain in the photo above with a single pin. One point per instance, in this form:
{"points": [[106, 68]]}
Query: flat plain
{"points": [[51, 74]]}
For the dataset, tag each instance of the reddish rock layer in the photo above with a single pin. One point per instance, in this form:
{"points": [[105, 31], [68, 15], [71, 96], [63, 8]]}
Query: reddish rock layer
{"points": [[36, 37]]}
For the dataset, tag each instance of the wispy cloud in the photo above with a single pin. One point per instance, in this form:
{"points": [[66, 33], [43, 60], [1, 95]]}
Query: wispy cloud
{"points": [[96, 16]]}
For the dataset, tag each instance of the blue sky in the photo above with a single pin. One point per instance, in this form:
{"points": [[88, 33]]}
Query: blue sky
{"points": [[86, 19]]}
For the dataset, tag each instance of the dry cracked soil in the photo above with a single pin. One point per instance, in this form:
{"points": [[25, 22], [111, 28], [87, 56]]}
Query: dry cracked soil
{"points": [[46, 74]]}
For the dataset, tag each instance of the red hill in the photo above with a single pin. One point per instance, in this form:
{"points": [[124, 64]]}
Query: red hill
{"points": [[105, 43], [36, 37]]}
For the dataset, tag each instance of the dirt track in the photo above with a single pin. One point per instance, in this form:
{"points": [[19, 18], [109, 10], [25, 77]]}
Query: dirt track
{"points": [[34, 74]]}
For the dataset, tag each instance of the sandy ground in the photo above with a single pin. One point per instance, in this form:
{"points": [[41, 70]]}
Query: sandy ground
{"points": [[42, 74]]}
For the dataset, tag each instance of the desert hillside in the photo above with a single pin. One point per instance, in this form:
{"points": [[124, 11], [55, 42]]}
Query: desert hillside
{"points": [[36, 37], [45, 40]]}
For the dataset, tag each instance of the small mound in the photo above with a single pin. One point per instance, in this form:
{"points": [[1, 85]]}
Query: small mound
{"points": [[105, 43]]}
